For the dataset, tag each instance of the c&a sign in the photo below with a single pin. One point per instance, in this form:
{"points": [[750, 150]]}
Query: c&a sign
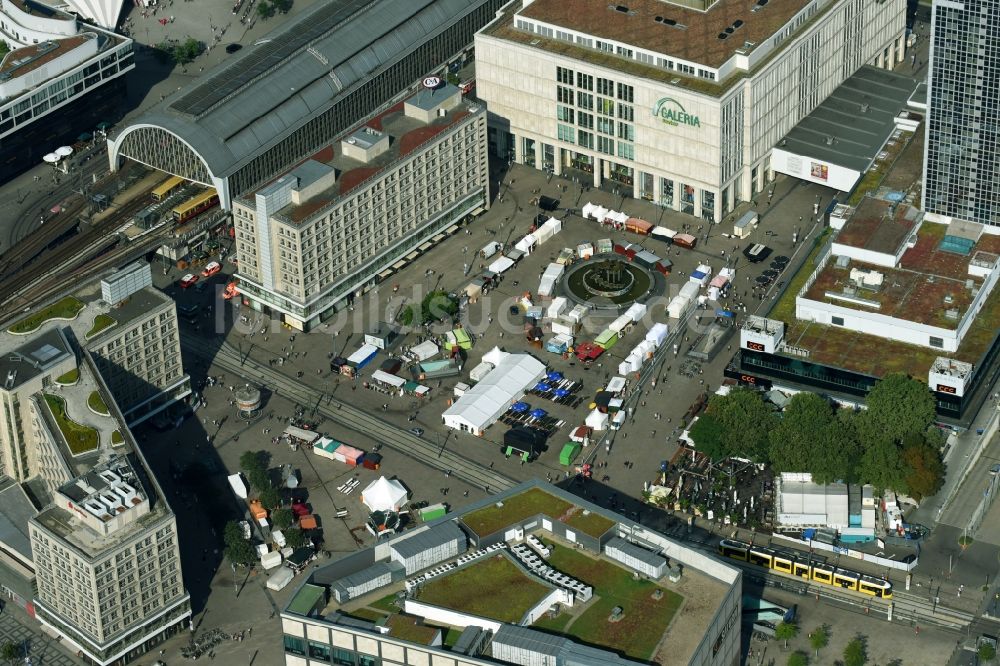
{"points": [[670, 111]]}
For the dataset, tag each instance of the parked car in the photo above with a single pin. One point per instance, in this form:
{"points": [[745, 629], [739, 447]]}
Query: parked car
{"points": [[188, 280]]}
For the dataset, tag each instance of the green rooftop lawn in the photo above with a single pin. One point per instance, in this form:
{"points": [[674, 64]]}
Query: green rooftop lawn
{"points": [[532, 502], [79, 438], [386, 603], [101, 322], [67, 308], [494, 588], [406, 628], [116, 437], [69, 378], [96, 403], [366, 613], [645, 619]]}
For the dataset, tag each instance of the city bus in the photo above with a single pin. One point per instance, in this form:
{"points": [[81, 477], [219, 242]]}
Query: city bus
{"points": [[195, 205], [167, 187]]}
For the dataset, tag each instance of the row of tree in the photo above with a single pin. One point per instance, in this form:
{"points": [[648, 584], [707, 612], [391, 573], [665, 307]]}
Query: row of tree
{"points": [[179, 53], [855, 652], [892, 444], [254, 465], [266, 9]]}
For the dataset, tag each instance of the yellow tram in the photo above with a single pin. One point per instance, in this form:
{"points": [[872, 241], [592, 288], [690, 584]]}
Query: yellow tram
{"points": [[807, 567]]}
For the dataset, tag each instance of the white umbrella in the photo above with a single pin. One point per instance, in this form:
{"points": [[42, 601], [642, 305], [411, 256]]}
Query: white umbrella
{"points": [[51, 158], [64, 151]]}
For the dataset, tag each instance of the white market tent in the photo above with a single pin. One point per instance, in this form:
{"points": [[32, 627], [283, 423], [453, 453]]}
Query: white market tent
{"points": [[616, 385], [500, 265], [657, 333], [384, 494], [485, 402], [526, 244], [424, 350], [597, 420]]}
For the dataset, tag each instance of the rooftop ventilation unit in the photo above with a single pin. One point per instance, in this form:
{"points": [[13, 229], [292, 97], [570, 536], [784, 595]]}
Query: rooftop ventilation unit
{"points": [[9, 382], [110, 477]]}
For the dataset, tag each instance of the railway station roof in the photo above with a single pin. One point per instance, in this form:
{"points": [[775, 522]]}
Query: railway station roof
{"points": [[256, 98]]}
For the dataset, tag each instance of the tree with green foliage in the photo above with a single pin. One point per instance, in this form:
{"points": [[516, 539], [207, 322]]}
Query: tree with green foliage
{"points": [[856, 653], [4, 48], [708, 436], [10, 652], [270, 498], [987, 652], [295, 538], [282, 6], [835, 452], [897, 406], [786, 631], [798, 659], [880, 464], [254, 465], [254, 460], [188, 50], [265, 10], [435, 306], [819, 639], [924, 469], [792, 442], [238, 550], [746, 420], [281, 518]]}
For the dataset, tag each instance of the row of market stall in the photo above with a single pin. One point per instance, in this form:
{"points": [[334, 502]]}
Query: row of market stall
{"points": [[623, 222], [690, 293]]}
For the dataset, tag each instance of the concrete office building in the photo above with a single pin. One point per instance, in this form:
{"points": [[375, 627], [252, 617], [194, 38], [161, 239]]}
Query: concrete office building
{"points": [[88, 543], [470, 593], [330, 227], [61, 78], [131, 346], [679, 103], [284, 97], [962, 153], [107, 561]]}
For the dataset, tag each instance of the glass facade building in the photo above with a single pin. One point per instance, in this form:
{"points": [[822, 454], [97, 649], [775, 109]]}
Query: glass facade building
{"points": [[961, 160]]}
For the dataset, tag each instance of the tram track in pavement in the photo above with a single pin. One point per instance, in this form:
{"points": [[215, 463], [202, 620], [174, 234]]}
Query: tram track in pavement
{"points": [[391, 436]]}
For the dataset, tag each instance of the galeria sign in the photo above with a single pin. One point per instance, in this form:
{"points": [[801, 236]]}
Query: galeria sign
{"points": [[671, 112]]}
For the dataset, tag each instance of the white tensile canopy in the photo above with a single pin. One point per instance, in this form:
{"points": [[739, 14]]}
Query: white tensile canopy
{"points": [[384, 494]]}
